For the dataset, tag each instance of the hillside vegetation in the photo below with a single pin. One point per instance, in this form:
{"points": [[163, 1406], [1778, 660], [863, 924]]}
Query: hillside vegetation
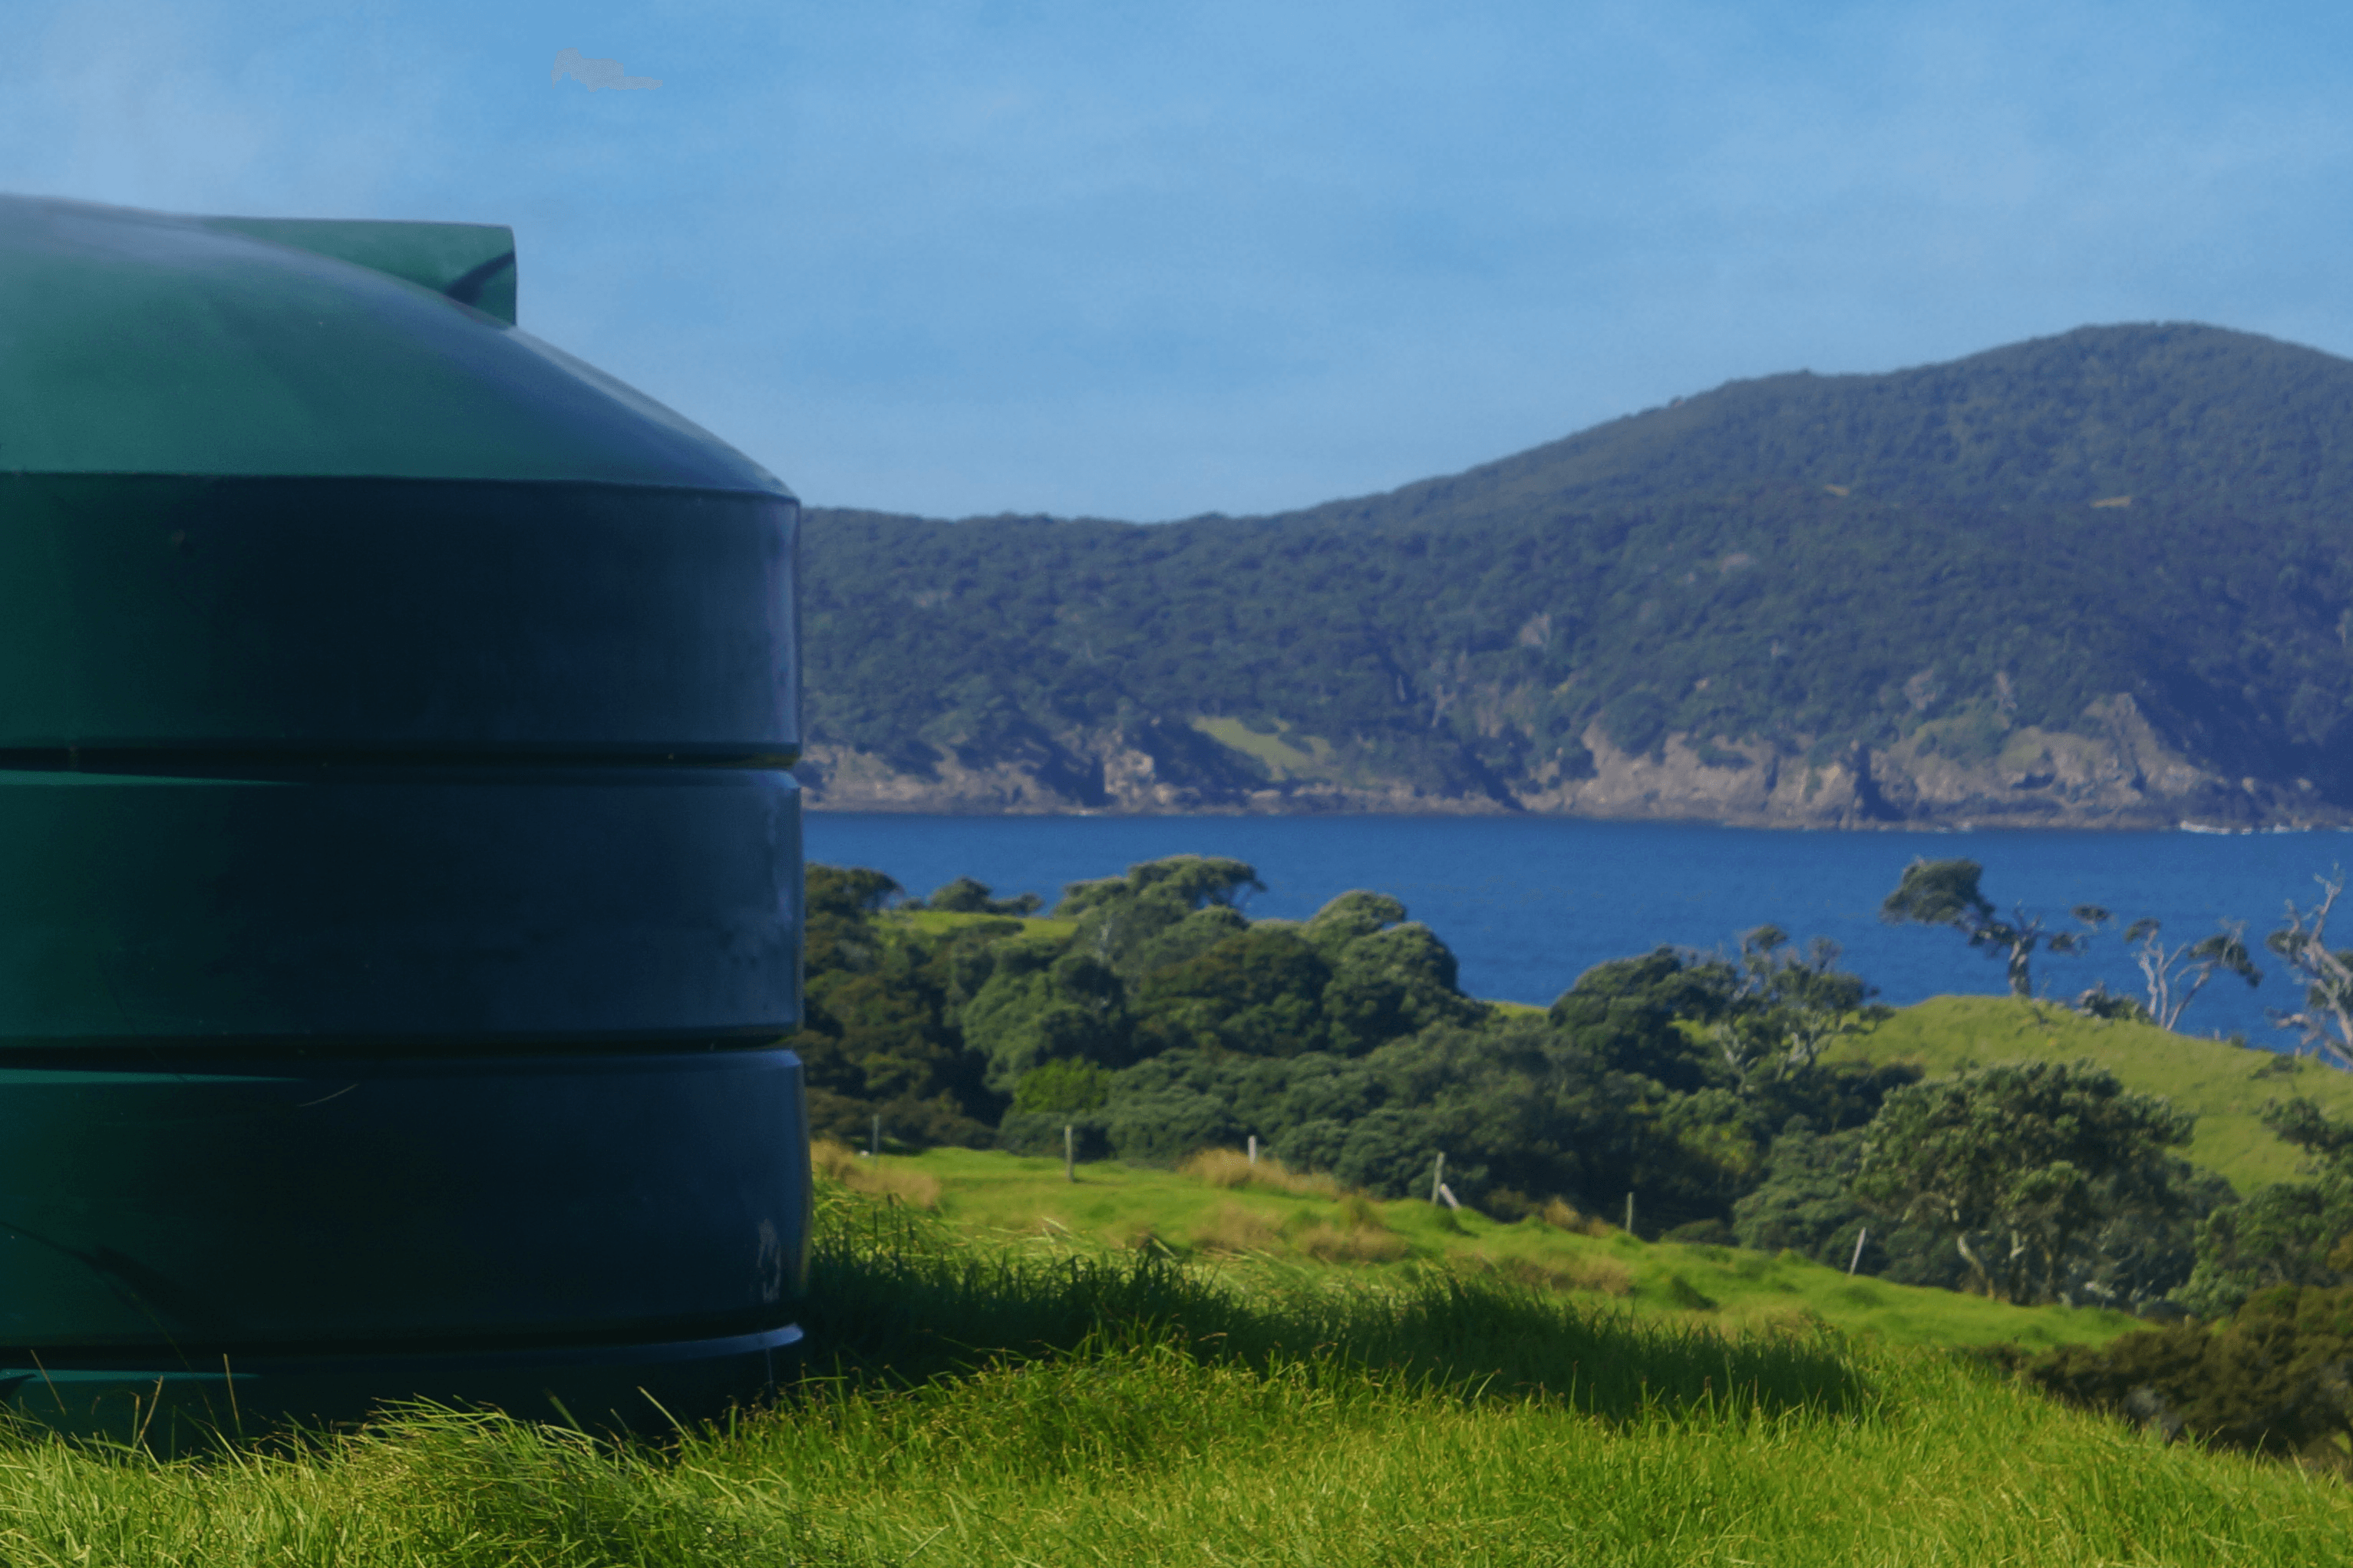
{"points": [[2013, 1149], [2225, 1086], [2090, 578]]}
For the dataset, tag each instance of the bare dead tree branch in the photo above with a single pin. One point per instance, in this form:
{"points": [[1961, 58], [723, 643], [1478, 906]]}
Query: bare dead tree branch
{"points": [[2326, 1021], [2167, 968]]}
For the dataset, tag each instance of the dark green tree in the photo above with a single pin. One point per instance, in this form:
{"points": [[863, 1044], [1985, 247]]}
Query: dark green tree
{"points": [[2020, 1163], [1122, 919], [1806, 1204], [1038, 1000], [1945, 893], [877, 1037], [1390, 983], [1629, 1012], [1258, 991], [1350, 916], [966, 896]]}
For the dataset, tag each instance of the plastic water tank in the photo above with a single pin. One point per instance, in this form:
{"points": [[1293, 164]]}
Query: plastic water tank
{"points": [[399, 876]]}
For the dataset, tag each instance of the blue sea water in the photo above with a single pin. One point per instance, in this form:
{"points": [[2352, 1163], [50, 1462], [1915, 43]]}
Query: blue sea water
{"points": [[1529, 903]]}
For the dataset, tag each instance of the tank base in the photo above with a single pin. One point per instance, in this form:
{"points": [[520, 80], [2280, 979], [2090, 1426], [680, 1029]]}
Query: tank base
{"points": [[648, 1388]]}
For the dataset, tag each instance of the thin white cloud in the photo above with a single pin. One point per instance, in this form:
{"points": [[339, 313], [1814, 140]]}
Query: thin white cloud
{"points": [[594, 74]]}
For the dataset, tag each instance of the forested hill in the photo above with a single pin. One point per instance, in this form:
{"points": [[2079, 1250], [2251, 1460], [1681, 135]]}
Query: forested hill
{"points": [[2104, 578]]}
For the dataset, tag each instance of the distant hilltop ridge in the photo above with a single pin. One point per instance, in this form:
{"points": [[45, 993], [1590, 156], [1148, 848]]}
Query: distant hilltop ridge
{"points": [[2098, 579]]}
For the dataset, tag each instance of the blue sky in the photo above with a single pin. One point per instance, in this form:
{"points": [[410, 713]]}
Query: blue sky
{"points": [[1148, 262]]}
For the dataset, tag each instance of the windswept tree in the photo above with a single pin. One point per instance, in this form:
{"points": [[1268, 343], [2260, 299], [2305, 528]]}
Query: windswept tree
{"points": [[1788, 1007], [2022, 1164], [2177, 974], [2325, 1020], [969, 895], [1945, 893]]}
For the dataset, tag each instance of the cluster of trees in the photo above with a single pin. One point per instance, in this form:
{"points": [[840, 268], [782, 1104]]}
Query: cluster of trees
{"points": [[1804, 560], [2029, 1182], [1151, 1018], [2265, 1369]]}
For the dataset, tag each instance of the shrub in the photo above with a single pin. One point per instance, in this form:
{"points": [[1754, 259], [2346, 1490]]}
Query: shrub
{"points": [[1061, 1087], [2271, 1381]]}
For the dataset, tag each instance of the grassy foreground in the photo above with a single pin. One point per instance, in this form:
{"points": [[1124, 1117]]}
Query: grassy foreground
{"points": [[988, 1405]]}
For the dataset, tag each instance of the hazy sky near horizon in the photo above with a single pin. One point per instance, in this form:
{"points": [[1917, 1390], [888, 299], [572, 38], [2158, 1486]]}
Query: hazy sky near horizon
{"points": [[1151, 261]]}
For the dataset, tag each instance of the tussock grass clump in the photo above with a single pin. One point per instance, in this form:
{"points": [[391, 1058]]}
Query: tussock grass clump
{"points": [[1562, 1216], [1232, 1168], [1599, 1275], [1328, 1242], [860, 1174], [1356, 1232], [1238, 1230]]}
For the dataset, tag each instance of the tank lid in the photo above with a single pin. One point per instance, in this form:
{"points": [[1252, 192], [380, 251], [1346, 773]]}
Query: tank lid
{"points": [[147, 342], [473, 263]]}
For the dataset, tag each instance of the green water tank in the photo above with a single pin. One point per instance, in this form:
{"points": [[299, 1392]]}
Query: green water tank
{"points": [[399, 878]]}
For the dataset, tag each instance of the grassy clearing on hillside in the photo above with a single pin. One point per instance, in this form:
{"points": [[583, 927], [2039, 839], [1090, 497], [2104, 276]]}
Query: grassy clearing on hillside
{"points": [[941, 922], [1288, 1229], [1164, 1416], [2224, 1086]]}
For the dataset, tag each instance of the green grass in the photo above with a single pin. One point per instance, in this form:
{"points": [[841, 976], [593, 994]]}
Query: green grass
{"points": [[1284, 754], [1263, 1235], [1153, 1413], [898, 1297], [2224, 1086], [941, 922]]}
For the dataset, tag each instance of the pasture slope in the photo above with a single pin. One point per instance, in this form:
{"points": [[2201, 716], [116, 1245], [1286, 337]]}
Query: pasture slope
{"points": [[2224, 1086], [1267, 1226]]}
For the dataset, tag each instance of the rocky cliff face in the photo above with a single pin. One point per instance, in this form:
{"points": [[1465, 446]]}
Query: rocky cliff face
{"points": [[2112, 770]]}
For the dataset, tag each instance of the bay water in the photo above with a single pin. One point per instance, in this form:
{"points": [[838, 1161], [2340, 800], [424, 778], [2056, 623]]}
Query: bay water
{"points": [[1527, 903]]}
